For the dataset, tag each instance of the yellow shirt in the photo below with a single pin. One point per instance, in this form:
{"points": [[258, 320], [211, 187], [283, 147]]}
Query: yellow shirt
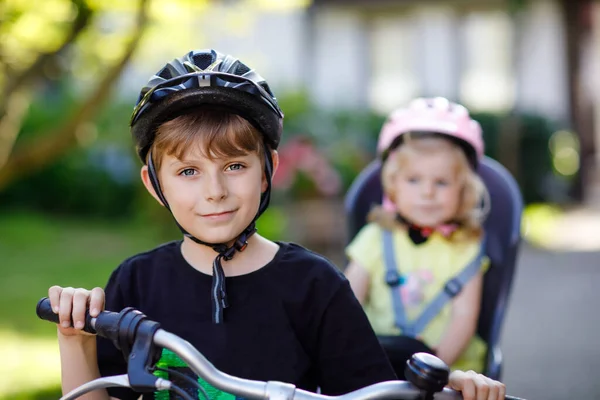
{"points": [[425, 268]]}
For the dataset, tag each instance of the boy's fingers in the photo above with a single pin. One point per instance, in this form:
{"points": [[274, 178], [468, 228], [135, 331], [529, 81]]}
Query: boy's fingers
{"points": [[501, 390], [493, 390], [474, 386], [65, 307], [54, 297], [464, 382], [468, 389], [96, 301], [482, 386], [80, 302]]}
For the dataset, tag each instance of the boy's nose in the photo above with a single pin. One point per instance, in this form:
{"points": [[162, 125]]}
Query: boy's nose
{"points": [[216, 188]]}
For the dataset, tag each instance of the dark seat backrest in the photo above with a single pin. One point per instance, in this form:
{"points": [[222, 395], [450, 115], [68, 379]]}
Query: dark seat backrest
{"points": [[502, 228]]}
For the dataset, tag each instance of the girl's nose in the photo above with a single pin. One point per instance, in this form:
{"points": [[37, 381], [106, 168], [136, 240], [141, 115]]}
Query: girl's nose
{"points": [[427, 189]]}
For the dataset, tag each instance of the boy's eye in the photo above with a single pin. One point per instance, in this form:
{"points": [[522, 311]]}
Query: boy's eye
{"points": [[188, 172], [234, 167]]}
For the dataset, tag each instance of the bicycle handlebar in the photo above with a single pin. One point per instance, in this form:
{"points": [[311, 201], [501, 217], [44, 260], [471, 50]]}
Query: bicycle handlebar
{"points": [[133, 333]]}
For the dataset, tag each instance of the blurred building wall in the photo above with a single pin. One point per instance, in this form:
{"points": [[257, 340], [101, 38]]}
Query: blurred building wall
{"points": [[479, 55], [381, 56]]}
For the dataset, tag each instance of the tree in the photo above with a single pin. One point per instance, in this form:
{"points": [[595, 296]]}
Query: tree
{"points": [[33, 38], [577, 17], [39, 38]]}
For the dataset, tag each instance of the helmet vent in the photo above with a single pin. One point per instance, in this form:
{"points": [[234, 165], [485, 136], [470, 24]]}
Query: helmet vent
{"points": [[165, 73], [266, 87], [203, 60], [238, 68]]}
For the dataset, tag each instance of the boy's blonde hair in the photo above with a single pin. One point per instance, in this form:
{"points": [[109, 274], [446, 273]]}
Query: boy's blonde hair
{"points": [[470, 214], [218, 133]]}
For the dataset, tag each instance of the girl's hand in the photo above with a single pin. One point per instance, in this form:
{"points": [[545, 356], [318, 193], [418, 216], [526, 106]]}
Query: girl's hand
{"points": [[474, 386], [71, 304]]}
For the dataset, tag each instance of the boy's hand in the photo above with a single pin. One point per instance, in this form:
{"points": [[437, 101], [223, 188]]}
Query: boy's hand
{"points": [[474, 386], [71, 304]]}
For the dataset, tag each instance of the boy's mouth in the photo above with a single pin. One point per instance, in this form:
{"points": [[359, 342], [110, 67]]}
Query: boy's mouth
{"points": [[217, 215]]}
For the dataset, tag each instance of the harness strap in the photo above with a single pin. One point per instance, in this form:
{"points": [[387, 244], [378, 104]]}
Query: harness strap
{"points": [[451, 289]]}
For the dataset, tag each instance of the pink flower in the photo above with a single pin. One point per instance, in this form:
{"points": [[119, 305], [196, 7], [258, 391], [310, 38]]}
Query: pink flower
{"points": [[299, 154]]}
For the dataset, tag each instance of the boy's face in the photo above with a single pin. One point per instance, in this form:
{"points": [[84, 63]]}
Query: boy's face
{"points": [[212, 199]]}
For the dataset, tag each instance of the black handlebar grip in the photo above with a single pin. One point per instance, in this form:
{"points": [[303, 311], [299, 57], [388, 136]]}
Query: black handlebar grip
{"points": [[44, 311]]}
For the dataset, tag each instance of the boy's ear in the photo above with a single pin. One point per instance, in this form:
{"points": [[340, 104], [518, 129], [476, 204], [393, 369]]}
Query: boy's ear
{"points": [[145, 175], [275, 158]]}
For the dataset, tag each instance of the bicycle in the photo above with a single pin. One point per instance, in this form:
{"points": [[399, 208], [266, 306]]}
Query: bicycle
{"points": [[141, 340]]}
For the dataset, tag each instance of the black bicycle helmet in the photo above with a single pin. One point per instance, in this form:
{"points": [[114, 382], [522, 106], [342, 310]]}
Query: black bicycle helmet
{"points": [[205, 77], [208, 78]]}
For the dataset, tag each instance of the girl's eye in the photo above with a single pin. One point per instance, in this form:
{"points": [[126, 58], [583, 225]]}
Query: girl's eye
{"points": [[188, 172], [442, 182], [412, 179], [234, 167]]}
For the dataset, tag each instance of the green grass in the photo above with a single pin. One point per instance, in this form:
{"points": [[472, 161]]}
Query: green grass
{"points": [[37, 252], [46, 393]]}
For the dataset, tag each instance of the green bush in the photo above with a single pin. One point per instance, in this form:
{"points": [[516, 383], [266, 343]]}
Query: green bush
{"points": [[102, 178], [519, 141], [97, 180], [51, 393]]}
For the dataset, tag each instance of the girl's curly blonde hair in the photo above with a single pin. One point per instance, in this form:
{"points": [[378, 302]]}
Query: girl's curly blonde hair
{"points": [[474, 195]]}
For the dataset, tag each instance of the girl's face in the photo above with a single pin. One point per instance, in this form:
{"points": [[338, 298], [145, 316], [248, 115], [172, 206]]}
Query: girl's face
{"points": [[427, 189]]}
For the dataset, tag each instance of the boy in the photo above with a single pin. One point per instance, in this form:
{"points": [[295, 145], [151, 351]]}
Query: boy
{"points": [[207, 128]]}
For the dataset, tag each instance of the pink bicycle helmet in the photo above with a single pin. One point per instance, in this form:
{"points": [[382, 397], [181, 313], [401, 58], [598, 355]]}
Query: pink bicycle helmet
{"points": [[433, 115]]}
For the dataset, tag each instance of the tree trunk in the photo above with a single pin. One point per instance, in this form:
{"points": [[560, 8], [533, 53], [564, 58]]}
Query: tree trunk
{"points": [[577, 28], [14, 101], [41, 151]]}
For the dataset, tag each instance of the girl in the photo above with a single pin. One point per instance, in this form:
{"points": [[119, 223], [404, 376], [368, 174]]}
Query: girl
{"points": [[417, 266]]}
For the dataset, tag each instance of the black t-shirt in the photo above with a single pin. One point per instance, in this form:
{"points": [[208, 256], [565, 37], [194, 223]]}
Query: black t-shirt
{"points": [[294, 320]]}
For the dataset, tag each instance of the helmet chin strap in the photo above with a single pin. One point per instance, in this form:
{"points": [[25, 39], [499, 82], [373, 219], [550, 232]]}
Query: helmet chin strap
{"points": [[219, 292]]}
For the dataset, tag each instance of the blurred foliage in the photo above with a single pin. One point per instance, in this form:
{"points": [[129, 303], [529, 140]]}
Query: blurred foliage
{"points": [[523, 143], [95, 180], [101, 179], [543, 157], [49, 393], [346, 138], [42, 45], [58, 62], [65, 45]]}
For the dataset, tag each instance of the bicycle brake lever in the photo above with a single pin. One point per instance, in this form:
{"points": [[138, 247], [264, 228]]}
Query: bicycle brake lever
{"points": [[110, 381], [100, 383], [142, 358]]}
